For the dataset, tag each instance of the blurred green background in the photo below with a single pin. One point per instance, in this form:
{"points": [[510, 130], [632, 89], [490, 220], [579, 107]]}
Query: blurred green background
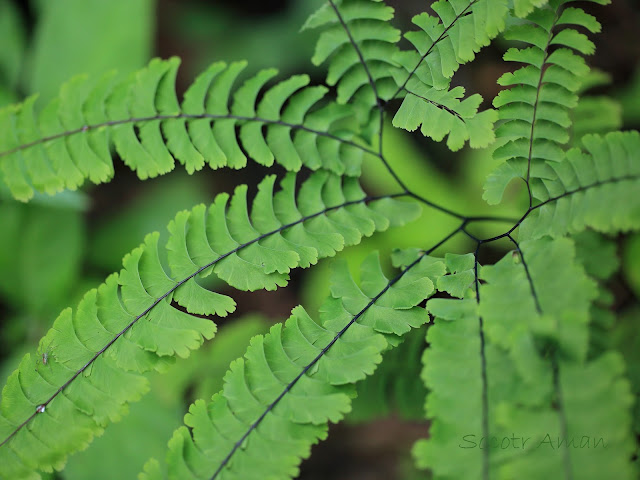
{"points": [[55, 248]]}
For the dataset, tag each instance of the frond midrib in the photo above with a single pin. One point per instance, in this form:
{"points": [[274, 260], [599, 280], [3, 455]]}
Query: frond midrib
{"points": [[183, 281], [187, 117]]}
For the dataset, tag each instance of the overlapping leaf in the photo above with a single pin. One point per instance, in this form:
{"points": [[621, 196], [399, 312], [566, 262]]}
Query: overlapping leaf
{"points": [[71, 139], [520, 397], [353, 32], [442, 44], [293, 381], [128, 325], [547, 398], [358, 42], [441, 113]]}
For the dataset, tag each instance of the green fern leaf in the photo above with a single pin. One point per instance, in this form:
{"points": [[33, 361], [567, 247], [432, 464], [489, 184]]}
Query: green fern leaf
{"points": [[359, 43], [442, 45], [296, 379], [546, 402], [508, 391], [454, 357], [441, 113], [128, 325], [523, 8], [535, 109], [586, 184], [70, 140]]}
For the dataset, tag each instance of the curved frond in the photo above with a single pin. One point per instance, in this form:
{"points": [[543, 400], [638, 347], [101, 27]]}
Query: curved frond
{"points": [[535, 108], [216, 124], [129, 324], [586, 185], [296, 379]]}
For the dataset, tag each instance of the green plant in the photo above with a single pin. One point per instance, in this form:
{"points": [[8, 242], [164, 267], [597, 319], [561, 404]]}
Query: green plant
{"points": [[517, 350]]}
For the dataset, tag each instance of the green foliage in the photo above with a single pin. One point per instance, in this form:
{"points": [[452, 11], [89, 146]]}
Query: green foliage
{"points": [[527, 373], [441, 47], [248, 251], [70, 140], [528, 349], [291, 373], [585, 184], [536, 108]]}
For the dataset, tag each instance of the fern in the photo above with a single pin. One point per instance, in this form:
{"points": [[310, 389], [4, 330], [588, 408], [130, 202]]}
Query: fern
{"points": [[304, 370], [535, 109], [522, 350], [70, 140], [442, 46], [585, 183], [130, 318]]}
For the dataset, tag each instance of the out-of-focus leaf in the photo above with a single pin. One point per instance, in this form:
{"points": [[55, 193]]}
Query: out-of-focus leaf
{"points": [[626, 339], [125, 445], [41, 250], [631, 262], [12, 39], [630, 100], [156, 204], [88, 36]]}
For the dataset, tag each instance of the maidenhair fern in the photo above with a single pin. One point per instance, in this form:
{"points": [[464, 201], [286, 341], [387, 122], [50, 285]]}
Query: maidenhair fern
{"points": [[515, 352]]}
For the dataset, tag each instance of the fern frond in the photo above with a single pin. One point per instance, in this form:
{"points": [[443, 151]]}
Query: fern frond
{"points": [[444, 43], [515, 395], [554, 395], [296, 379], [128, 325], [453, 358], [441, 113], [71, 139], [535, 108], [586, 185], [359, 43]]}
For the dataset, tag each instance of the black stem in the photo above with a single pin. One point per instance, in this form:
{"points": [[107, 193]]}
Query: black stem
{"points": [[555, 367], [437, 105], [535, 109], [483, 367], [185, 116]]}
